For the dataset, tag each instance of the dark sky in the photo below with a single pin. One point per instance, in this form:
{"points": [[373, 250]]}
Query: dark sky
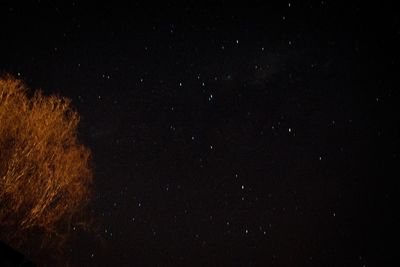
{"points": [[227, 135]]}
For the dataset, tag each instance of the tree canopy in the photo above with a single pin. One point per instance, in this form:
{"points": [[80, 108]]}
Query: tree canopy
{"points": [[45, 172]]}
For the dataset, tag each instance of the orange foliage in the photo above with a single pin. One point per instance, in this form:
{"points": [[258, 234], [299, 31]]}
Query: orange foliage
{"points": [[45, 175]]}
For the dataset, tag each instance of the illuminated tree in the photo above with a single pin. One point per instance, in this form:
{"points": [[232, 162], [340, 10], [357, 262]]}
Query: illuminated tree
{"points": [[45, 174]]}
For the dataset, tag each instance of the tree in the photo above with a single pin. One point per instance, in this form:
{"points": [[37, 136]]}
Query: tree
{"points": [[45, 173]]}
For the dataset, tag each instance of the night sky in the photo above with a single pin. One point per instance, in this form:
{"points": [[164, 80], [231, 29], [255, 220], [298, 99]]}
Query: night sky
{"points": [[228, 135]]}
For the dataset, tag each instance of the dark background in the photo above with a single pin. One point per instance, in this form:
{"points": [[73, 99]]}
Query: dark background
{"points": [[239, 135]]}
